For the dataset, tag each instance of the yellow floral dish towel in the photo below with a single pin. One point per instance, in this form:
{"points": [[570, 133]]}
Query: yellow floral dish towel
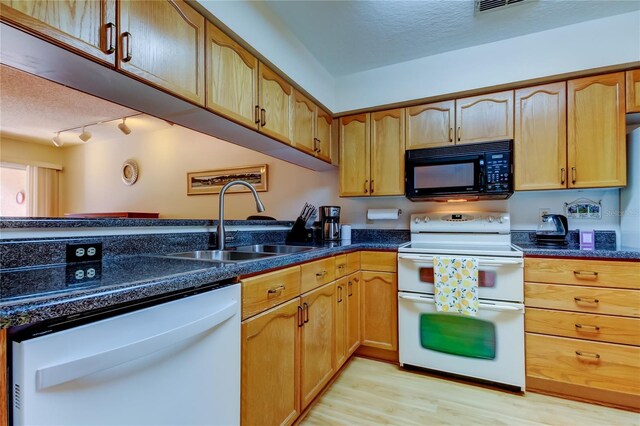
{"points": [[456, 284]]}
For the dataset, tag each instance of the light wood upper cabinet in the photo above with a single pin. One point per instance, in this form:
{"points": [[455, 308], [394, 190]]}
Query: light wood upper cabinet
{"points": [[484, 118], [87, 27], [596, 131], [232, 78], [353, 312], [430, 125], [317, 342], [379, 310], [276, 105], [633, 91], [323, 135], [387, 152], [270, 390], [304, 123], [540, 142], [162, 42], [354, 155]]}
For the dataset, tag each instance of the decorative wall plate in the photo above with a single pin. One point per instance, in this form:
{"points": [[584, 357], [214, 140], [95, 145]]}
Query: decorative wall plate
{"points": [[130, 172]]}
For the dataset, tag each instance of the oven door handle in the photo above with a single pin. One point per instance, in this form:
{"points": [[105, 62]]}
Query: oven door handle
{"points": [[481, 261], [485, 306]]}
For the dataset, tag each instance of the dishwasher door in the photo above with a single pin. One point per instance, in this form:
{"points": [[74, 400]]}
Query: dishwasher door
{"points": [[175, 363]]}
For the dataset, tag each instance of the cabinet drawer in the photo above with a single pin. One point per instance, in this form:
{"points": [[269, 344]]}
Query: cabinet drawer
{"points": [[579, 362], [599, 273], [341, 265], [383, 261], [595, 300], [353, 262], [602, 328], [267, 290], [314, 274]]}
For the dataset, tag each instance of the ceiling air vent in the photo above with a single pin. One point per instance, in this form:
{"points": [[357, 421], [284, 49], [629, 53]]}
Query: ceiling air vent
{"points": [[487, 5]]}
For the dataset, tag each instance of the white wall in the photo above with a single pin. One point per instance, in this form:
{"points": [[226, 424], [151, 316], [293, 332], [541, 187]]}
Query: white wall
{"points": [[630, 196], [607, 41]]}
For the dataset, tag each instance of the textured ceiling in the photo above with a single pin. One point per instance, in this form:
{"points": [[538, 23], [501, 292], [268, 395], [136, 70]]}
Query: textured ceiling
{"points": [[352, 36], [33, 109]]}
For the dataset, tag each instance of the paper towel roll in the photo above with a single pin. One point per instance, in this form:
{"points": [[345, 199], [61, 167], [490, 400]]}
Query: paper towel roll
{"points": [[345, 232], [377, 214]]}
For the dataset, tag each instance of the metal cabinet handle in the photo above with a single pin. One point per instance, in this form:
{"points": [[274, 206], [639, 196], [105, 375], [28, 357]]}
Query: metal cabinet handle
{"points": [[128, 37], [110, 35], [586, 300], [321, 274], [586, 275], [339, 294], [588, 354], [563, 175], [257, 114], [573, 175], [372, 187], [263, 117], [300, 317], [584, 327], [450, 134], [459, 133], [275, 291], [349, 289], [306, 312], [366, 186]]}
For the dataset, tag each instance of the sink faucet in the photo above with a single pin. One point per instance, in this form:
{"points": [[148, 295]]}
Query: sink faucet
{"points": [[259, 207]]}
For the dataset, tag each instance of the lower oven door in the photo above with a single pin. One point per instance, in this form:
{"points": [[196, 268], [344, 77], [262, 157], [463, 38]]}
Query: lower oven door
{"points": [[499, 278], [489, 346]]}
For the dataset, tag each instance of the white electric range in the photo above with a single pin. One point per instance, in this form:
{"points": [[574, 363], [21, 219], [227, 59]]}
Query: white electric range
{"points": [[488, 346]]}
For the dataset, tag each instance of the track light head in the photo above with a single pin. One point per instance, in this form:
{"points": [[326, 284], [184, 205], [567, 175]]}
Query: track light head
{"points": [[123, 127], [85, 135], [57, 141]]}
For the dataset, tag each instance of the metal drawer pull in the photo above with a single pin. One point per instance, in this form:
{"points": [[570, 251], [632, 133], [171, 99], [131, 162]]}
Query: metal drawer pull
{"points": [[450, 134], [563, 175], [585, 300], [341, 266], [275, 291], [321, 274], [573, 175], [305, 306], [300, 320], [339, 293], [110, 32], [588, 354], [127, 35], [459, 133], [586, 275], [257, 114], [366, 186], [263, 117], [350, 292], [587, 327]]}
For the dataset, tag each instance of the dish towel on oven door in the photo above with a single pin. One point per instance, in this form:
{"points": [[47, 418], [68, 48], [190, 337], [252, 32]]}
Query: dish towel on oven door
{"points": [[456, 284]]}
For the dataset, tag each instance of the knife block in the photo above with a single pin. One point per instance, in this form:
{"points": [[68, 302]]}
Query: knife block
{"points": [[300, 233]]}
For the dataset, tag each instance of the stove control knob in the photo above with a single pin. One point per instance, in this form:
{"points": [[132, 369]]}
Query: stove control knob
{"points": [[500, 219], [490, 219], [417, 220], [426, 219]]}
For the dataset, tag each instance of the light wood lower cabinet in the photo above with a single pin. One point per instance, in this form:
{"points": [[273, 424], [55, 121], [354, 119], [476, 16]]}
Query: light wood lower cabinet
{"points": [[317, 357], [271, 366], [353, 312], [341, 321]]}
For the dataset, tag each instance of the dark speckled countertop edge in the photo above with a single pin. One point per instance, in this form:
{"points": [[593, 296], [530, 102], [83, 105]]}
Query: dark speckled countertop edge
{"points": [[609, 254], [8, 223], [40, 308]]}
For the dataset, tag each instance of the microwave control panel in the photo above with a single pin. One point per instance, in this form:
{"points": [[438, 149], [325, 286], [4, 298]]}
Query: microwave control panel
{"points": [[498, 171]]}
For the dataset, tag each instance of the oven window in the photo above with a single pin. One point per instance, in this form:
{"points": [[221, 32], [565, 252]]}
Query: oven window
{"points": [[458, 335], [444, 176], [486, 279]]}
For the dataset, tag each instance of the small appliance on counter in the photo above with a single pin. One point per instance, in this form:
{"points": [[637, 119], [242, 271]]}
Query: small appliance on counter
{"points": [[330, 222], [301, 231], [552, 230]]}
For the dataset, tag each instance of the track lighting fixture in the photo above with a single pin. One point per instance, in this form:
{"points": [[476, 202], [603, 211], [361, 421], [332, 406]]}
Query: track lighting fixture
{"points": [[123, 127], [85, 135], [57, 141]]}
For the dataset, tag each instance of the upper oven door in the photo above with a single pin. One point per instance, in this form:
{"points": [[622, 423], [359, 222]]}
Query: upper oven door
{"points": [[499, 278], [460, 174]]}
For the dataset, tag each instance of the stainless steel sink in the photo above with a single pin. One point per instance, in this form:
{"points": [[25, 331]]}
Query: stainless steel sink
{"points": [[223, 255], [273, 249]]}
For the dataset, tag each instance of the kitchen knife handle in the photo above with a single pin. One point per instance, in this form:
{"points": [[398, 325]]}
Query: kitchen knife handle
{"points": [[257, 114], [366, 186], [573, 175], [127, 35], [110, 33], [263, 117], [563, 175]]}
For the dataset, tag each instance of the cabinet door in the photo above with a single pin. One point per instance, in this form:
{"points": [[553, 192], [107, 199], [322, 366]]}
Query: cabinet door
{"points": [[430, 125], [354, 155], [318, 339], [84, 26], [387, 152], [540, 151], [341, 322], [485, 118], [323, 135], [379, 310], [232, 78], [596, 131], [271, 366], [633, 91], [276, 105], [353, 312], [304, 121], [162, 42]]}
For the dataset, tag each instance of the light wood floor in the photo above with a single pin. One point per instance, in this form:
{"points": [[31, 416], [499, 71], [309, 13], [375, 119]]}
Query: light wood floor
{"points": [[374, 393]]}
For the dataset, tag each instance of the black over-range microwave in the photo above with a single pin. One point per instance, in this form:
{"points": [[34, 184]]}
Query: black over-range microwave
{"points": [[460, 172]]}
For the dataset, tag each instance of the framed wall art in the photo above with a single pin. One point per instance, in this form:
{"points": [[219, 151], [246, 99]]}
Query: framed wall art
{"points": [[212, 181]]}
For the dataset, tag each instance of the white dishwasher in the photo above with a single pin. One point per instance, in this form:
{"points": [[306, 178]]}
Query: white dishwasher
{"points": [[173, 363]]}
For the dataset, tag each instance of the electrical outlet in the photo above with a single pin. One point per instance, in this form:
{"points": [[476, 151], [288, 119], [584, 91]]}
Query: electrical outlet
{"points": [[543, 211], [79, 274], [90, 252]]}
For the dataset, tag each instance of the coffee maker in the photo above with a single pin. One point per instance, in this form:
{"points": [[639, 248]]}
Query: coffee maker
{"points": [[330, 222]]}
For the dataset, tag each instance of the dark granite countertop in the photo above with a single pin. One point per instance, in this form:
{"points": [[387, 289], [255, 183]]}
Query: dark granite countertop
{"points": [[532, 249], [61, 222], [36, 294]]}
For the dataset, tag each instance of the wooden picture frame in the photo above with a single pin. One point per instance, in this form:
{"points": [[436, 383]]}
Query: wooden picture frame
{"points": [[212, 181]]}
